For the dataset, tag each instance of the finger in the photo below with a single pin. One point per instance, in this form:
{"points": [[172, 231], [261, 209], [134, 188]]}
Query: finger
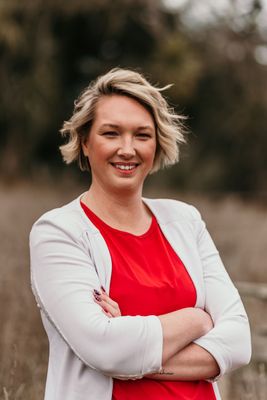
{"points": [[107, 313], [106, 297], [113, 305], [114, 311]]}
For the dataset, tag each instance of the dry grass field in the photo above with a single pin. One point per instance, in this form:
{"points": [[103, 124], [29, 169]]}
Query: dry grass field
{"points": [[240, 232]]}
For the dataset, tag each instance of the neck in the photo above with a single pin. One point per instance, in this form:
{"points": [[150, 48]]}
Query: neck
{"points": [[121, 210]]}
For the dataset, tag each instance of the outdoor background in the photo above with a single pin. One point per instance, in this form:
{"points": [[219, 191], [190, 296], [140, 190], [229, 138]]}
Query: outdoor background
{"points": [[215, 54]]}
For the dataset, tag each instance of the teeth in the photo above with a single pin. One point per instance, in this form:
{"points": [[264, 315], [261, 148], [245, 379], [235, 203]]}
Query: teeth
{"points": [[125, 167]]}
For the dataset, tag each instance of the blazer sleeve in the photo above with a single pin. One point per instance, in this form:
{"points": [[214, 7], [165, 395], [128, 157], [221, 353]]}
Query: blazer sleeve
{"points": [[229, 341], [63, 278]]}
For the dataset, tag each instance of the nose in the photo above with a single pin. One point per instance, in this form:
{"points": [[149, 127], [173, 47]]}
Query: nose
{"points": [[126, 149]]}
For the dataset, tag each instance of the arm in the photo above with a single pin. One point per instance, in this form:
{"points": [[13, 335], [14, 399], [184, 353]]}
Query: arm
{"points": [[63, 280], [191, 363], [180, 328], [229, 341], [227, 345]]}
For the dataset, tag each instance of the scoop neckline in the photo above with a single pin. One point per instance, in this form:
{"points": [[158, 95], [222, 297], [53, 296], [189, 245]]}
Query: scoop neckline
{"points": [[87, 211]]}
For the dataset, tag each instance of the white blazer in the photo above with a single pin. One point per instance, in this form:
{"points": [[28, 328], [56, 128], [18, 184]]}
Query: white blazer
{"points": [[69, 258]]}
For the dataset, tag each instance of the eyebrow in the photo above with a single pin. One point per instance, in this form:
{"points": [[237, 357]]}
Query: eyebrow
{"points": [[115, 126]]}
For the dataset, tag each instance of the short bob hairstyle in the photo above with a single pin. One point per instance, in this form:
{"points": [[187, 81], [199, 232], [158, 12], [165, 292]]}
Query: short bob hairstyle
{"points": [[125, 82]]}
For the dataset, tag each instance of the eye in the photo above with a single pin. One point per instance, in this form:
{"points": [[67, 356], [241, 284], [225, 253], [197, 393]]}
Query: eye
{"points": [[143, 135], [110, 133]]}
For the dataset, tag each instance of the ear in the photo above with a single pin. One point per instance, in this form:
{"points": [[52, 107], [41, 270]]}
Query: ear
{"points": [[85, 146]]}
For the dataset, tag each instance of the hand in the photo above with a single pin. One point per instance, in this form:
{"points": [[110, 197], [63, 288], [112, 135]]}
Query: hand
{"points": [[109, 306]]}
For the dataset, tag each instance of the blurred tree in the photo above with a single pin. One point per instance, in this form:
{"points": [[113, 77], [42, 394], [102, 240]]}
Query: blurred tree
{"points": [[50, 50], [230, 106], [29, 85]]}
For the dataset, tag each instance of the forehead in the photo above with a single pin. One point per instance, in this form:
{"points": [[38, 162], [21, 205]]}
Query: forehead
{"points": [[121, 109]]}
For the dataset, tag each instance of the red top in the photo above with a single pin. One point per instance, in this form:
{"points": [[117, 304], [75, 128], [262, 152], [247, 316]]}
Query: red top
{"points": [[148, 278]]}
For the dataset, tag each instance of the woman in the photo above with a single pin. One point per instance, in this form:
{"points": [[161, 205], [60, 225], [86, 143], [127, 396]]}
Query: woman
{"points": [[133, 295]]}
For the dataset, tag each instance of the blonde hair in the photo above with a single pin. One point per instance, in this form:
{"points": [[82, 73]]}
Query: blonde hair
{"points": [[169, 127]]}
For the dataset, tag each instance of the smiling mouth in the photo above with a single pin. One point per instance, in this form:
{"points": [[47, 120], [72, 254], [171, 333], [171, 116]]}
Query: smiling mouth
{"points": [[125, 166]]}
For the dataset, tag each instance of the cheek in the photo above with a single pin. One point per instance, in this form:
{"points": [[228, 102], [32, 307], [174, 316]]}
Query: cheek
{"points": [[151, 151], [104, 149], [101, 152]]}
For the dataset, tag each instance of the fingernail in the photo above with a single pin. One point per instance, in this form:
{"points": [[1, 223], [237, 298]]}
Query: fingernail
{"points": [[103, 289], [97, 298], [97, 292]]}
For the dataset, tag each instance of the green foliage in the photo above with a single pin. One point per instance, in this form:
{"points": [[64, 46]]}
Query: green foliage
{"points": [[50, 50], [229, 110]]}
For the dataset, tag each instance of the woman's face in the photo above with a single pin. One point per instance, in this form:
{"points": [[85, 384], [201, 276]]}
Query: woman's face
{"points": [[121, 144]]}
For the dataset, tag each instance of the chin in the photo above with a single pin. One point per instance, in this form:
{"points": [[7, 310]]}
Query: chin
{"points": [[125, 187]]}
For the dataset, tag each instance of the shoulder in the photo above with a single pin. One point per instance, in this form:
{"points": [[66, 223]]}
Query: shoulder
{"points": [[66, 220], [168, 210]]}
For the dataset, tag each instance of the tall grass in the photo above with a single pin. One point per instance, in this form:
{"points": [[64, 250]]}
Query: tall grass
{"points": [[239, 229]]}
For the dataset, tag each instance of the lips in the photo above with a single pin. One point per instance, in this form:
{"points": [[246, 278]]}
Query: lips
{"points": [[125, 166]]}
